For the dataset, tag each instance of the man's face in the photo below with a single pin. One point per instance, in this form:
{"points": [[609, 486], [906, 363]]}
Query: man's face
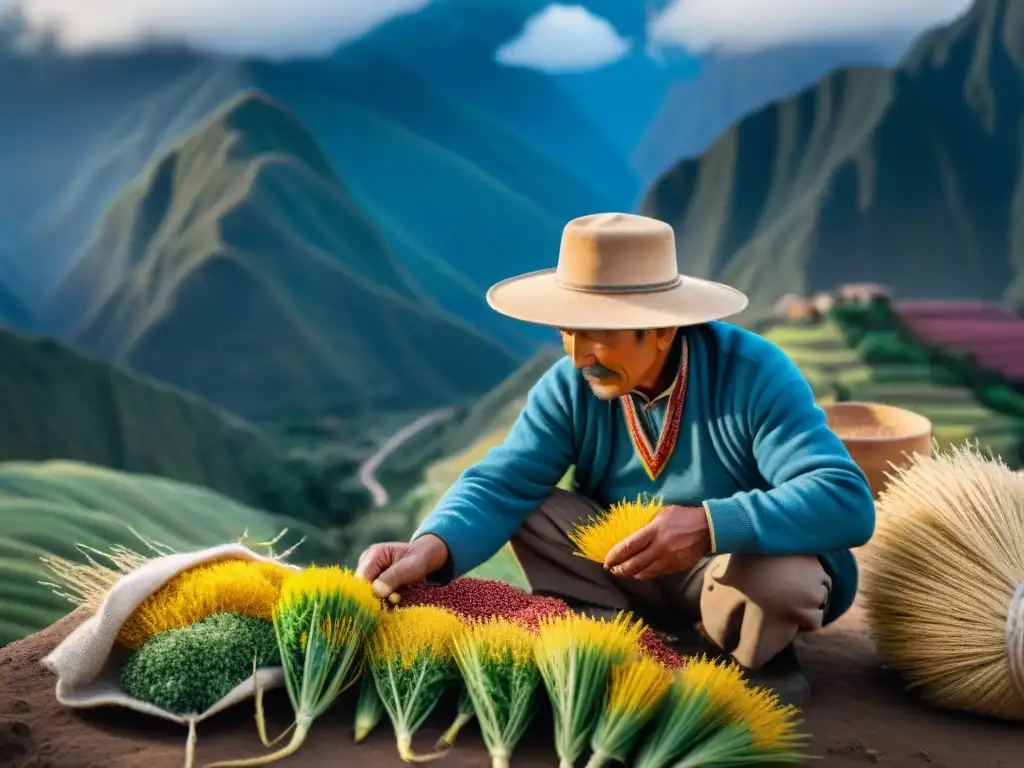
{"points": [[614, 363]]}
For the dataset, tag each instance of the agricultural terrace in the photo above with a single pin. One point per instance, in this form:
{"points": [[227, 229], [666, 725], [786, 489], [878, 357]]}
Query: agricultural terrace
{"points": [[839, 369], [992, 336], [823, 354]]}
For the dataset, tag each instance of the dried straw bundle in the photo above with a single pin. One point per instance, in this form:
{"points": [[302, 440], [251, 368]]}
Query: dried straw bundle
{"points": [[944, 581]]}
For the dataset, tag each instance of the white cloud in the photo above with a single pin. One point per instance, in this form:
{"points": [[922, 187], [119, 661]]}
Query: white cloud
{"points": [[744, 26], [564, 38], [269, 27]]}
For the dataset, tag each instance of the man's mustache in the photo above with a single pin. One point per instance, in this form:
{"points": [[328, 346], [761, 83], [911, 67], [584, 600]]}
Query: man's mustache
{"points": [[598, 371]]}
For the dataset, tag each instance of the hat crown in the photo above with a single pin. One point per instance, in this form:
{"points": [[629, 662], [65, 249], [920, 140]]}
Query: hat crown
{"points": [[617, 253]]}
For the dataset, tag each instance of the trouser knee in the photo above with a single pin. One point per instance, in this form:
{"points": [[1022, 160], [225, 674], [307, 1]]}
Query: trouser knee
{"points": [[755, 606]]}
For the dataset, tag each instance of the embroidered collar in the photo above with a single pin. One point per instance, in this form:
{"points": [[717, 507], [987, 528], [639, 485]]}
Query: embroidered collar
{"points": [[655, 457]]}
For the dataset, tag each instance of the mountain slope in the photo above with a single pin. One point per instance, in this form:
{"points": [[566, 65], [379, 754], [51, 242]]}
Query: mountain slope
{"points": [[13, 312], [66, 406], [463, 201], [909, 177], [76, 129], [239, 267], [698, 109]]}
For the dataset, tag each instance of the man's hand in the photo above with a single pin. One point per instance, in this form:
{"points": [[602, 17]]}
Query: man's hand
{"points": [[672, 543], [392, 565]]}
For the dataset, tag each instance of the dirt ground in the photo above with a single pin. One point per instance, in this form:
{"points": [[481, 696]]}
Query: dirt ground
{"points": [[858, 715]]}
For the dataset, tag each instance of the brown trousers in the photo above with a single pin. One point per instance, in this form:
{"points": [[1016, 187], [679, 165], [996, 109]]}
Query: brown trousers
{"points": [[751, 606]]}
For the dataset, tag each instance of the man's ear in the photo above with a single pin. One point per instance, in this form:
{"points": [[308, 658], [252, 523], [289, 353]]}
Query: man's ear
{"points": [[665, 336]]}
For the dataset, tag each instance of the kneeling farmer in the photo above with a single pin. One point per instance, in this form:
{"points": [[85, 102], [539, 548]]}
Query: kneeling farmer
{"points": [[657, 398]]}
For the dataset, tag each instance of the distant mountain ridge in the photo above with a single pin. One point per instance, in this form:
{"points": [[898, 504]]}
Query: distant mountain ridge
{"points": [[239, 267], [462, 200], [699, 109], [909, 177], [78, 129]]}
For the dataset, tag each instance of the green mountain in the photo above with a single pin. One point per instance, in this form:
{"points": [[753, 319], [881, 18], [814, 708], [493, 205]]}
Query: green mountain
{"points": [[239, 267], [62, 405], [732, 85], [909, 177], [462, 199], [78, 128]]}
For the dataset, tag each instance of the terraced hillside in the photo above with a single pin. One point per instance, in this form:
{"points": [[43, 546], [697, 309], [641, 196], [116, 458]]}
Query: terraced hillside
{"points": [[837, 370], [822, 353], [992, 336]]}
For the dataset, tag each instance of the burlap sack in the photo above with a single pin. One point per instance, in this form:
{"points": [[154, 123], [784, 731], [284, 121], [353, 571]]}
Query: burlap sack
{"points": [[87, 663]]}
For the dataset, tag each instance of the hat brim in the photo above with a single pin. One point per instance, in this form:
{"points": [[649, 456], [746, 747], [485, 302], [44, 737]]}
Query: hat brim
{"points": [[538, 298]]}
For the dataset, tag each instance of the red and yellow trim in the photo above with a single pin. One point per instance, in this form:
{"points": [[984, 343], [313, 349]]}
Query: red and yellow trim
{"points": [[655, 458]]}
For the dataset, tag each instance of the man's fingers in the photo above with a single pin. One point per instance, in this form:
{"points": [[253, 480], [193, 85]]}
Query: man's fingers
{"points": [[637, 563], [657, 569], [364, 568], [630, 546], [373, 561], [405, 570]]}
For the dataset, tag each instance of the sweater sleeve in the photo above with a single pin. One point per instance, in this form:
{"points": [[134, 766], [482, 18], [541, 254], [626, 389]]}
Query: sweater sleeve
{"points": [[819, 500], [491, 499]]}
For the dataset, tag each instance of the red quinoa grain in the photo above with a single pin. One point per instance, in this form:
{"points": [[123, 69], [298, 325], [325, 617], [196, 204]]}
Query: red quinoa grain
{"points": [[483, 598]]}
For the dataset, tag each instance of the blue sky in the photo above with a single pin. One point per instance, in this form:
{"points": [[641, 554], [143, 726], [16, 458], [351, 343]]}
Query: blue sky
{"points": [[560, 37]]}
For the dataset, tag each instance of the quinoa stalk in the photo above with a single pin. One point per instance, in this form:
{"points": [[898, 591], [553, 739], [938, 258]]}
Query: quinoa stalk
{"points": [[636, 691], [321, 622], [575, 655], [190, 744], [412, 664], [693, 710], [261, 722], [755, 729], [463, 717], [369, 709], [497, 664]]}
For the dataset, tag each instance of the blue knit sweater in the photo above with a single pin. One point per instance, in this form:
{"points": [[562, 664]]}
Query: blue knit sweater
{"points": [[753, 449]]}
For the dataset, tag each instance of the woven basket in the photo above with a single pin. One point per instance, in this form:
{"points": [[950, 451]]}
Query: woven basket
{"points": [[878, 436]]}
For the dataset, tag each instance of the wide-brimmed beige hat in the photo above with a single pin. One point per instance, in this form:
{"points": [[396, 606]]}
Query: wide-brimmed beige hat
{"points": [[616, 271]]}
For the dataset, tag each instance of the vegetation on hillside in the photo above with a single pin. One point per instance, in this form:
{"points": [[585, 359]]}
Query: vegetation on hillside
{"points": [[909, 177], [457, 193], [845, 362], [62, 405], [239, 268]]}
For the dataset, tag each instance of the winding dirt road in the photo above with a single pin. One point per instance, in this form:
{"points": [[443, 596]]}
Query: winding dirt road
{"points": [[368, 469]]}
